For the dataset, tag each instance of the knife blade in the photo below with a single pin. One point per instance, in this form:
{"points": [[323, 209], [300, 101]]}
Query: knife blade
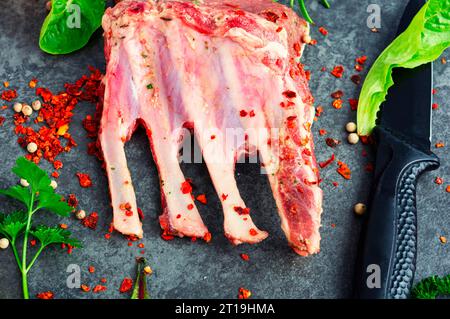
{"points": [[387, 249]]}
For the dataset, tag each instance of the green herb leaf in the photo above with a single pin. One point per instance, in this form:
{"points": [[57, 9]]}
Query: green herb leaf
{"points": [[432, 287], [18, 192], [12, 225], [53, 202], [424, 40], [54, 235], [35, 176], [70, 24]]}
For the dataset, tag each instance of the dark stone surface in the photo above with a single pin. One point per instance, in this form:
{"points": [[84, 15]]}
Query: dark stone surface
{"points": [[198, 270]]}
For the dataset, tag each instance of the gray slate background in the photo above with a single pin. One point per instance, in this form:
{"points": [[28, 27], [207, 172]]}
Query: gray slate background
{"points": [[197, 270]]}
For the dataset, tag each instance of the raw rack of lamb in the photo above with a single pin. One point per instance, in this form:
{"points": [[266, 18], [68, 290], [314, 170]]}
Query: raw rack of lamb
{"points": [[211, 66]]}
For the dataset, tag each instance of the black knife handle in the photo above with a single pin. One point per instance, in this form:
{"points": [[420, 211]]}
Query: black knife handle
{"points": [[387, 255]]}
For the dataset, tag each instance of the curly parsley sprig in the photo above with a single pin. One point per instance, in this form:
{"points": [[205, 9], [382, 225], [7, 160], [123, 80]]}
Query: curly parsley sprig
{"points": [[39, 195], [432, 287]]}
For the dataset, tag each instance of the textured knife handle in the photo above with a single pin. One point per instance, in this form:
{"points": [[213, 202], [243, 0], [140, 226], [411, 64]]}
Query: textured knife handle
{"points": [[404, 262], [388, 246]]}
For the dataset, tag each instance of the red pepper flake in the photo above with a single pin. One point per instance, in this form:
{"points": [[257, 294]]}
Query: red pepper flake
{"points": [[319, 111], [103, 280], [332, 142], [369, 167], [55, 174], [361, 60], [344, 170], [224, 197], [84, 180], [141, 245], [353, 104], [448, 189], [440, 144], [323, 31], [367, 140], [9, 95], [167, 236], [33, 242], [90, 221], [2, 120], [130, 244], [439, 180], [252, 113], [213, 137], [323, 132], [253, 232], [337, 95], [245, 257], [358, 67], [313, 42], [244, 293], [6, 84], [178, 216], [435, 106], [126, 285], [242, 211], [338, 71], [186, 187], [356, 78], [128, 213], [32, 84], [57, 164], [140, 213], [433, 91], [290, 94], [99, 288], [190, 206], [335, 184], [72, 201], [243, 113], [91, 269], [85, 288], [207, 237], [45, 295], [327, 162], [202, 199], [63, 226], [337, 104]]}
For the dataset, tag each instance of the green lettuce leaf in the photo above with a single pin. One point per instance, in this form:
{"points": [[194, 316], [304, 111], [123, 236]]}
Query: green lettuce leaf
{"points": [[424, 41], [70, 24]]}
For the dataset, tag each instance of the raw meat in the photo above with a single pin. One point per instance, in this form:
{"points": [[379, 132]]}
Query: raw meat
{"points": [[214, 67]]}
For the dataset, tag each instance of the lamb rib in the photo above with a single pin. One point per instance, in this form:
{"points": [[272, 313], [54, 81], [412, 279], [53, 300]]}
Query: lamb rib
{"points": [[213, 67]]}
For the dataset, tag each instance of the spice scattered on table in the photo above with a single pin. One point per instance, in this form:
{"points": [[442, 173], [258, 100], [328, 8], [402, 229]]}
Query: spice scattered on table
{"points": [[338, 71], [344, 170], [360, 209], [126, 285], [244, 293], [84, 180], [45, 295]]}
